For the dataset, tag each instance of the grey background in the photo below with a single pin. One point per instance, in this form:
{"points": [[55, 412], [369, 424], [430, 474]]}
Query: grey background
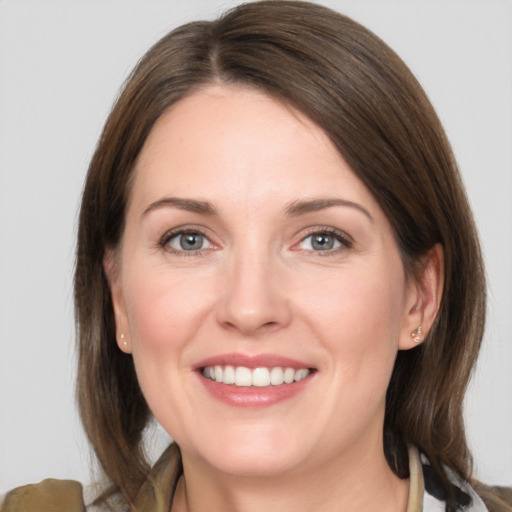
{"points": [[61, 65]]}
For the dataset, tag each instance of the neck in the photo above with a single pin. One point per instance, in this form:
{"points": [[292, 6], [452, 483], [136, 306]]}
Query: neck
{"points": [[359, 481]]}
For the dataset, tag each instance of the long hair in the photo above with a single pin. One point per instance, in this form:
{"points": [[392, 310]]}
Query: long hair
{"points": [[363, 96]]}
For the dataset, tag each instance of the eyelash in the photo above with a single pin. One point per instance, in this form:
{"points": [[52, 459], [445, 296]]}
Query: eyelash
{"points": [[346, 242], [169, 235]]}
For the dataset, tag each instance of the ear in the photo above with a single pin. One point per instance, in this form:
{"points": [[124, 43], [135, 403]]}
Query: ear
{"points": [[423, 299], [111, 268]]}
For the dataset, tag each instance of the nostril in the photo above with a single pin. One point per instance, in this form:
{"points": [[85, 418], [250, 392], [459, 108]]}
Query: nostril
{"points": [[249, 307]]}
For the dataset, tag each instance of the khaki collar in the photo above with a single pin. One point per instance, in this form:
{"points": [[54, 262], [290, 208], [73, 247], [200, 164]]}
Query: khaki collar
{"points": [[416, 484], [157, 493]]}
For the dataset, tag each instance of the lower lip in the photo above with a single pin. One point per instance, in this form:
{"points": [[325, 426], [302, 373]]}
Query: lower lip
{"points": [[252, 396]]}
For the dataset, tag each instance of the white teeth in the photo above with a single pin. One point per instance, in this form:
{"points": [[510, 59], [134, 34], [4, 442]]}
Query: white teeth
{"points": [[300, 374], [261, 377], [276, 376], [243, 376], [289, 375], [229, 375], [258, 377]]}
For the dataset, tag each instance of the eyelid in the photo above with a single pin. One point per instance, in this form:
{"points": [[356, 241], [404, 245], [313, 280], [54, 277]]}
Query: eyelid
{"points": [[344, 238], [183, 230]]}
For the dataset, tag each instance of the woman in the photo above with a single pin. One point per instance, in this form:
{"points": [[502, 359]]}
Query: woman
{"points": [[276, 260]]}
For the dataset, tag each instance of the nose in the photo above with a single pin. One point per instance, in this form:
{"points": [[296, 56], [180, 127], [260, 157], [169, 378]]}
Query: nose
{"points": [[253, 298]]}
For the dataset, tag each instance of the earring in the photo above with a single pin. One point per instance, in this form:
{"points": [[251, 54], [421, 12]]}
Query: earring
{"points": [[124, 341], [416, 334]]}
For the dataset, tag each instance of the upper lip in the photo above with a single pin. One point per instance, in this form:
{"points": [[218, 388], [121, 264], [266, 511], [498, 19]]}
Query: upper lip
{"points": [[253, 361]]}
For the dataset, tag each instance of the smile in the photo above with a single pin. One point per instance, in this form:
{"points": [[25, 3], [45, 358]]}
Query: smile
{"points": [[254, 377]]}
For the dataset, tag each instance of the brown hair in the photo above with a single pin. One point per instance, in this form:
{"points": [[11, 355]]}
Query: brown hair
{"points": [[364, 97]]}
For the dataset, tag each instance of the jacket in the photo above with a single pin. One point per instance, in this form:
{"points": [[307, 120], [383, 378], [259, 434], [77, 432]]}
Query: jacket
{"points": [[157, 493]]}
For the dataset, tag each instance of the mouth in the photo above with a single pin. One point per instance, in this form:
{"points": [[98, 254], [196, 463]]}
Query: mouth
{"points": [[254, 381], [260, 377]]}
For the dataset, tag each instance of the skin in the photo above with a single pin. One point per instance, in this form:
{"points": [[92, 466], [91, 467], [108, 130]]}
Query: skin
{"points": [[258, 286]]}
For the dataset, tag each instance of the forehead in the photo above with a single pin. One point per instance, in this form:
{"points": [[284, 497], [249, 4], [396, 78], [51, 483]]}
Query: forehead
{"points": [[234, 143]]}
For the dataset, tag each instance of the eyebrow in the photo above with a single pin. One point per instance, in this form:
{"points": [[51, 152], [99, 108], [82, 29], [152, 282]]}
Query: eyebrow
{"points": [[190, 205], [297, 208], [294, 209]]}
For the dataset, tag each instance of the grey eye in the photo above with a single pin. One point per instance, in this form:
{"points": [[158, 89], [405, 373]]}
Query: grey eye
{"points": [[320, 242], [188, 242]]}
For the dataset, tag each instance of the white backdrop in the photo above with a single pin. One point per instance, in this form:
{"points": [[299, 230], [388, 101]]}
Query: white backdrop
{"points": [[61, 65]]}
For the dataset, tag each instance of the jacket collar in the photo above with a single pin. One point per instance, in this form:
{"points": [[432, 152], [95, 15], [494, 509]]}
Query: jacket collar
{"points": [[157, 493]]}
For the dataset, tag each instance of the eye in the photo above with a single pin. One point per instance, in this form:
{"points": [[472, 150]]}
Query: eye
{"points": [[185, 241], [324, 241]]}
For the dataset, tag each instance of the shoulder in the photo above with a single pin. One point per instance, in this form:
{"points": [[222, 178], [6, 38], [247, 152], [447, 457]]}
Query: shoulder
{"points": [[50, 495], [472, 496], [497, 499]]}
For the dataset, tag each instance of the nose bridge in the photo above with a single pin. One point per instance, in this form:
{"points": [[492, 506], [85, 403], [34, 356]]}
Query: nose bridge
{"points": [[252, 297]]}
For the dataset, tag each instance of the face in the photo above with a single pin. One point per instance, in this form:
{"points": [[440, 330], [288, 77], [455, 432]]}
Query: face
{"points": [[259, 288]]}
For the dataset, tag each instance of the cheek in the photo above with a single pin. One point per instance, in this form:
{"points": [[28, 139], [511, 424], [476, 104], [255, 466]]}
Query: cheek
{"points": [[164, 310], [358, 314], [164, 314]]}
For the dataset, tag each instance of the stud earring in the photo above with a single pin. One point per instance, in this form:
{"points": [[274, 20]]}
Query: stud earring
{"points": [[124, 341], [416, 334]]}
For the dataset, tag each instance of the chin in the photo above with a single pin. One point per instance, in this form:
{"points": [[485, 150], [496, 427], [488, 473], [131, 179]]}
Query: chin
{"points": [[262, 464], [254, 454]]}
